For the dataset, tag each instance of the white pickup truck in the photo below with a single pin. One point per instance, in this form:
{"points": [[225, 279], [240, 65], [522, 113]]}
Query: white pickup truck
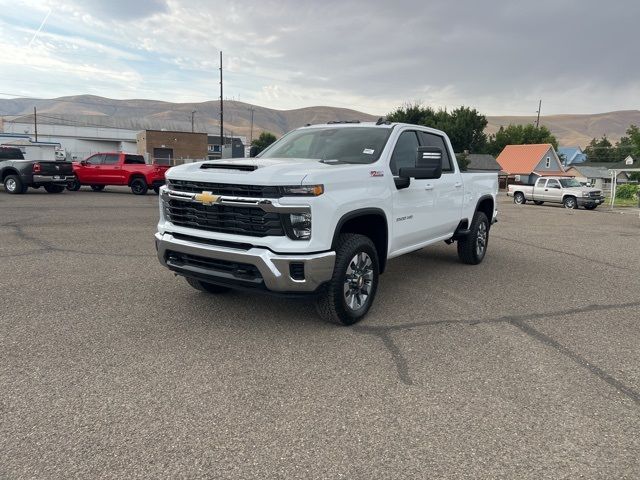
{"points": [[321, 211], [567, 191]]}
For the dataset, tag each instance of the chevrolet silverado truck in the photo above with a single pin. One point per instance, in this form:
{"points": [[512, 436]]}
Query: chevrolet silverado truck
{"points": [[18, 174], [567, 191], [321, 211], [118, 168]]}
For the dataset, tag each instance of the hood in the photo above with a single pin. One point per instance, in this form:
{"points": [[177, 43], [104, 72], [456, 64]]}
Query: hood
{"points": [[253, 171], [583, 190]]}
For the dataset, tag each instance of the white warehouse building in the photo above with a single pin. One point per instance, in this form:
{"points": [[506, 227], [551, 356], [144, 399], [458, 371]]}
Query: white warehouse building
{"points": [[78, 142]]}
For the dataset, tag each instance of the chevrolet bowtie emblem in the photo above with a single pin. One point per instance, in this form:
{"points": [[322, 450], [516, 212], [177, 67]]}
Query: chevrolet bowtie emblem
{"points": [[206, 198]]}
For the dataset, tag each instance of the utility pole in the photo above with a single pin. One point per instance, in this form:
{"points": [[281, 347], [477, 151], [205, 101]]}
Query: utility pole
{"points": [[35, 122], [193, 112], [538, 119], [251, 109], [221, 110]]}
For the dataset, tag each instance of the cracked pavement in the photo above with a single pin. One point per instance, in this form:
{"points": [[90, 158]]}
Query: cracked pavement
{"points": [[526, 366]]}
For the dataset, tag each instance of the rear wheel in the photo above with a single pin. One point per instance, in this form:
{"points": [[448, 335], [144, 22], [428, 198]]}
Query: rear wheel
{"points": [[73, 186], [518, 198], [97, 188], [570, 202], [352, 289], [139, 186], [13, 184], [206, 287], [538, 202], [473, 247], [54, 188]]}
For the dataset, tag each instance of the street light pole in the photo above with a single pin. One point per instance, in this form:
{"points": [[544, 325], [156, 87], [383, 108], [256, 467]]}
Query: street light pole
{"points": [[193, 112], [251, 109]]}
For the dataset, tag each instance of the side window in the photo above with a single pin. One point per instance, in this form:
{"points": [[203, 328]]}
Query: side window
{"points": [[540, 182], [404, 153], [110, 159], [95, 160], [553, 184], [134, 160], [431, 140]]}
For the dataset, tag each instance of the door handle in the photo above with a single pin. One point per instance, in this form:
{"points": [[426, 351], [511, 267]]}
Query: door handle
{"points": [[116, 168], [458, 185], [428, 186], [546, 189]]}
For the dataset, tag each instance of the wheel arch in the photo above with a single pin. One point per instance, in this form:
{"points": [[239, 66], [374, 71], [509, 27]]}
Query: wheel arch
{"points": [[486, 205], [371, 222], [4, 173], [135, 176]]}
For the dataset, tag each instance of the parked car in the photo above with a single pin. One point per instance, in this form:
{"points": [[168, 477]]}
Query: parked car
{"points": [[119, 168], [567, 191], [18, 174], [321, 211]]}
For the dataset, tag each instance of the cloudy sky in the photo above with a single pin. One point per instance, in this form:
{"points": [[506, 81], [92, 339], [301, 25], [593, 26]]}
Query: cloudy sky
{"points": [[579, 56]]}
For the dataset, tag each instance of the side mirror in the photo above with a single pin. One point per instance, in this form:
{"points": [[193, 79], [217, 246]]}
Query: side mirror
{"points": [[253, 151], [428, 164], [84, 163]]}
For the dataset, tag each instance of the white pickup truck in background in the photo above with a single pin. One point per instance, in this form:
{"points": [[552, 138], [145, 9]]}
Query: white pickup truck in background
{"points": [[321, 211], [567, 191]]}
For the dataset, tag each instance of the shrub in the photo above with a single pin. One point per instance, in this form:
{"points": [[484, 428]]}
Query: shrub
{"points": [[628, 191]]}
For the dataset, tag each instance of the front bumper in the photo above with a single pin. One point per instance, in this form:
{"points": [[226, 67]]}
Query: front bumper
{"points": [[60, 179], [276, 273], [590, 201]]}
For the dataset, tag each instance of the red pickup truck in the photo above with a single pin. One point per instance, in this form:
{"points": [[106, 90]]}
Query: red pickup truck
{"points": [[119, 168]]}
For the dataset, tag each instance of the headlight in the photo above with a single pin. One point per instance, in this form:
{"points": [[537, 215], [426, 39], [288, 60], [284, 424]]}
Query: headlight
{"points": [[586, 194], [303, 190], [301, 225]]}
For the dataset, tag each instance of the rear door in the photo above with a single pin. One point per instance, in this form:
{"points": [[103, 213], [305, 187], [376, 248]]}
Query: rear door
{"points": [[447, 191], [111, 170]]}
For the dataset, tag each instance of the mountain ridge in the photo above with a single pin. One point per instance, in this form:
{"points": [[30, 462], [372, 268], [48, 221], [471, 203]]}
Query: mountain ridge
{"points": [[92, 110]]}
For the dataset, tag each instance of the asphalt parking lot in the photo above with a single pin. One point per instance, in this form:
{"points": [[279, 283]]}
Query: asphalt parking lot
{"points": [[527, 366]]}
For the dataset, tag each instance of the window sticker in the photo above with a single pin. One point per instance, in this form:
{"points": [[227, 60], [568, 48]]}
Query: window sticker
{"points": [[368, 151]]}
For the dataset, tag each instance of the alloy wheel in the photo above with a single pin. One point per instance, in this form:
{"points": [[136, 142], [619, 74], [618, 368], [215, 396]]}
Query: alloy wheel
{"points": [[358, 281], [481, 239]]}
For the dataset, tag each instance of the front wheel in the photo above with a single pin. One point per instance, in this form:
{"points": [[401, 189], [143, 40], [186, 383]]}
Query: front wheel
{"points": [[156, 190], [519, 199], [54, 188], [139, 186], [206, 287], [73, 186], [570, 203], [350, 292], [13, 184], [473, 247], [590, 207]]}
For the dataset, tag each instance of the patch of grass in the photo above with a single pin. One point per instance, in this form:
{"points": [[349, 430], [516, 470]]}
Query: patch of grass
{"points": [[622, 202]]}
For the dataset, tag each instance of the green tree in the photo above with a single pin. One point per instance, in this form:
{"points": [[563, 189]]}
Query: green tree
{"points": [[263, 141], [519, 135], [464, 126], [601, 150]]}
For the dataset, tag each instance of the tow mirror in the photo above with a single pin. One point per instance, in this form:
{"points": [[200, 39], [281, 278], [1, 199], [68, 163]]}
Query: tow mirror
{"points": [[428, 164], [253, 151], [84, 163]]}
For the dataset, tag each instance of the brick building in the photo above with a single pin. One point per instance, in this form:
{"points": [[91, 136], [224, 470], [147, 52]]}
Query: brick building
{"points": [[172, 147]]}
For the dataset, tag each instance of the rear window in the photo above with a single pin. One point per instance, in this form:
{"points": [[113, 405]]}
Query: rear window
{"points": [[11, 154], [134, 160]]}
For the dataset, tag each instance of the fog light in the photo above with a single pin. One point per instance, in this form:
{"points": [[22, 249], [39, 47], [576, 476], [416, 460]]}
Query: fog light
{"points": [[301, 225]]}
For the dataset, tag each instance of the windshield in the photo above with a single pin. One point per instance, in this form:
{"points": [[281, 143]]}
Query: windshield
{"points": [[347, 145], [570, 182]]}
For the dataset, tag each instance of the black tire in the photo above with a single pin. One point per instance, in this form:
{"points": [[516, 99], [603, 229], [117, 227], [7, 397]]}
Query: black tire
{"points": [[156, 190], [570, 203], [360, 278], [206, 287], [54, 188], [473, 248], [97, 188], [13, 185], [590, 207], [519, 198], [139, 186], [73, 186], [538, 202]]}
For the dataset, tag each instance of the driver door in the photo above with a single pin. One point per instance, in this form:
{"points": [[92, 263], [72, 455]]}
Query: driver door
{"points": [[412, 206], [89, 172]]}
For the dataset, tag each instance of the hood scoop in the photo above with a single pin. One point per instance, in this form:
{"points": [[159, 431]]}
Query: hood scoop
{"points": [[229, 166]]}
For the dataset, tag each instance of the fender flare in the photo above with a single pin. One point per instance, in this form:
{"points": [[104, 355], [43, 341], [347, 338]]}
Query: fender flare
{"points": [[360, 213]]}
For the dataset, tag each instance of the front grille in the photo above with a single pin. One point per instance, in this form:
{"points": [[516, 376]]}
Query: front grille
{"points": [[250, 221], [595, 194], [227, 189], [242, 271]]}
